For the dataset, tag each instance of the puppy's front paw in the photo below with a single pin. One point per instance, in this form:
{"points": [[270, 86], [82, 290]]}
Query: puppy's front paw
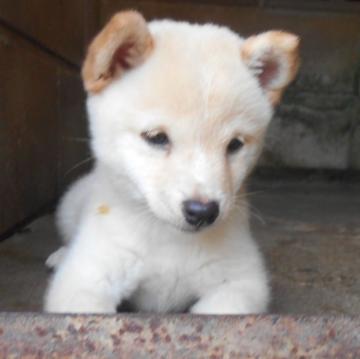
{"points": [[55, 258], [234, 298]]}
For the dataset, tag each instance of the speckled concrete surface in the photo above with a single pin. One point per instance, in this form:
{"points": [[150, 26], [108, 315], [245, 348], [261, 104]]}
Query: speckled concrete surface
{"points": [[309, 233]]}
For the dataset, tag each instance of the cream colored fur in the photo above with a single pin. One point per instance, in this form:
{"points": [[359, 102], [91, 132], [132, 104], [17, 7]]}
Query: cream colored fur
{"points": [[124, 231]]}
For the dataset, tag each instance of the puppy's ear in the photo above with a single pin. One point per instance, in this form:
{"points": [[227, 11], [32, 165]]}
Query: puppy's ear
{"points": [[273, 57], [124, 43]]}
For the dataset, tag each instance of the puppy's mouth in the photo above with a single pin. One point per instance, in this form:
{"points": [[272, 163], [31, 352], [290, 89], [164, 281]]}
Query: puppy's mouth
{"points": [[185, 227], [197, 228]]}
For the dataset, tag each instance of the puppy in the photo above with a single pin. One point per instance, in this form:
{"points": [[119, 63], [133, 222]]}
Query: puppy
{"points": [[177, 113]]}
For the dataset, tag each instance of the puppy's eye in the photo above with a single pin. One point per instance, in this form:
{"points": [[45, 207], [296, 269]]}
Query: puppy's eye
{"points": [[160, 139], [234, 145]]}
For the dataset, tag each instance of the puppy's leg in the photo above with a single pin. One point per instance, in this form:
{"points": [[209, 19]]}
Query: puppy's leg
{"points": [[71, 208], [94, 277], [85, 286], [56, 257], [241, 297], [68, 215]]}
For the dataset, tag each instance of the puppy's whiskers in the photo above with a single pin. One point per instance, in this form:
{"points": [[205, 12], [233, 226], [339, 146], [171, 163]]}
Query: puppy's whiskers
{"points": [[242, 204], [79, 164]]}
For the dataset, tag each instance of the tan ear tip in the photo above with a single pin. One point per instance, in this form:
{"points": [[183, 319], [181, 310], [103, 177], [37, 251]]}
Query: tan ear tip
{"points": [[129, 15], [295, 39], [94, 87], [287, 40], [89, 85], [292, 41]]}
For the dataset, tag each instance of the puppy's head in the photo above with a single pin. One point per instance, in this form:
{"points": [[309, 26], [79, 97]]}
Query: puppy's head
{"points": [[178, 112]]}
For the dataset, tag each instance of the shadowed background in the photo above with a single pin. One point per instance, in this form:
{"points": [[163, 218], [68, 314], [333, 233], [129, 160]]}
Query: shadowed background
{"points": [[43, 126]]}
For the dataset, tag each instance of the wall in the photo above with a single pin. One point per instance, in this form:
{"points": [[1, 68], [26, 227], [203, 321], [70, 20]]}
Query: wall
{"points": [[42, 118]]}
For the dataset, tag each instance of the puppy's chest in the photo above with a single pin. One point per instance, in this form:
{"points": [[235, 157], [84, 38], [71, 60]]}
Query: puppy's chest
{"points": [[169, 280]]}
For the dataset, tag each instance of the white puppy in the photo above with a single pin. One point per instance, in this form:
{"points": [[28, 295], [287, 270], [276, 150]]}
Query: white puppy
{"points": [[177, 114]]}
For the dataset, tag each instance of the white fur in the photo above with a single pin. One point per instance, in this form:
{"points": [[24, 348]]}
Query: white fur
{"points": [[124, 231]]}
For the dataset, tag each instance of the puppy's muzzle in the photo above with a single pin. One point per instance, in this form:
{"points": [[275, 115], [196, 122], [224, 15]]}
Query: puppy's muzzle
{"points": [[200, 214]]}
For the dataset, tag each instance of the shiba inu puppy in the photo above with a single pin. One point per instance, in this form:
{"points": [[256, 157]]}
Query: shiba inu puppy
{"points": [[177, 113]]}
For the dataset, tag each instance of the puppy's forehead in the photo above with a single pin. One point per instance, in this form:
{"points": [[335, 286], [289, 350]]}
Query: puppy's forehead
{"points": [[195, 71], [194, 62]]}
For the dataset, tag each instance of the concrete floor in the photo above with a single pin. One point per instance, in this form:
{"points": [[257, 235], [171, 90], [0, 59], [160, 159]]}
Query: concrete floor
{"points": [[309, 233]]}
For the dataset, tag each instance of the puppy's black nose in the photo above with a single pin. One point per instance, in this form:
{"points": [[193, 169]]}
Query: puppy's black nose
{"points": [[199, 213]]}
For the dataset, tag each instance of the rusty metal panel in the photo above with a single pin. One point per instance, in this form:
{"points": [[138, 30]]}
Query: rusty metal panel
{"points": [[177, 336]]}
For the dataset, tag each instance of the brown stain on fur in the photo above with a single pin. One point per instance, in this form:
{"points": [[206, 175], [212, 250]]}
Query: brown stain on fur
{"points": [[103, 209]]}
